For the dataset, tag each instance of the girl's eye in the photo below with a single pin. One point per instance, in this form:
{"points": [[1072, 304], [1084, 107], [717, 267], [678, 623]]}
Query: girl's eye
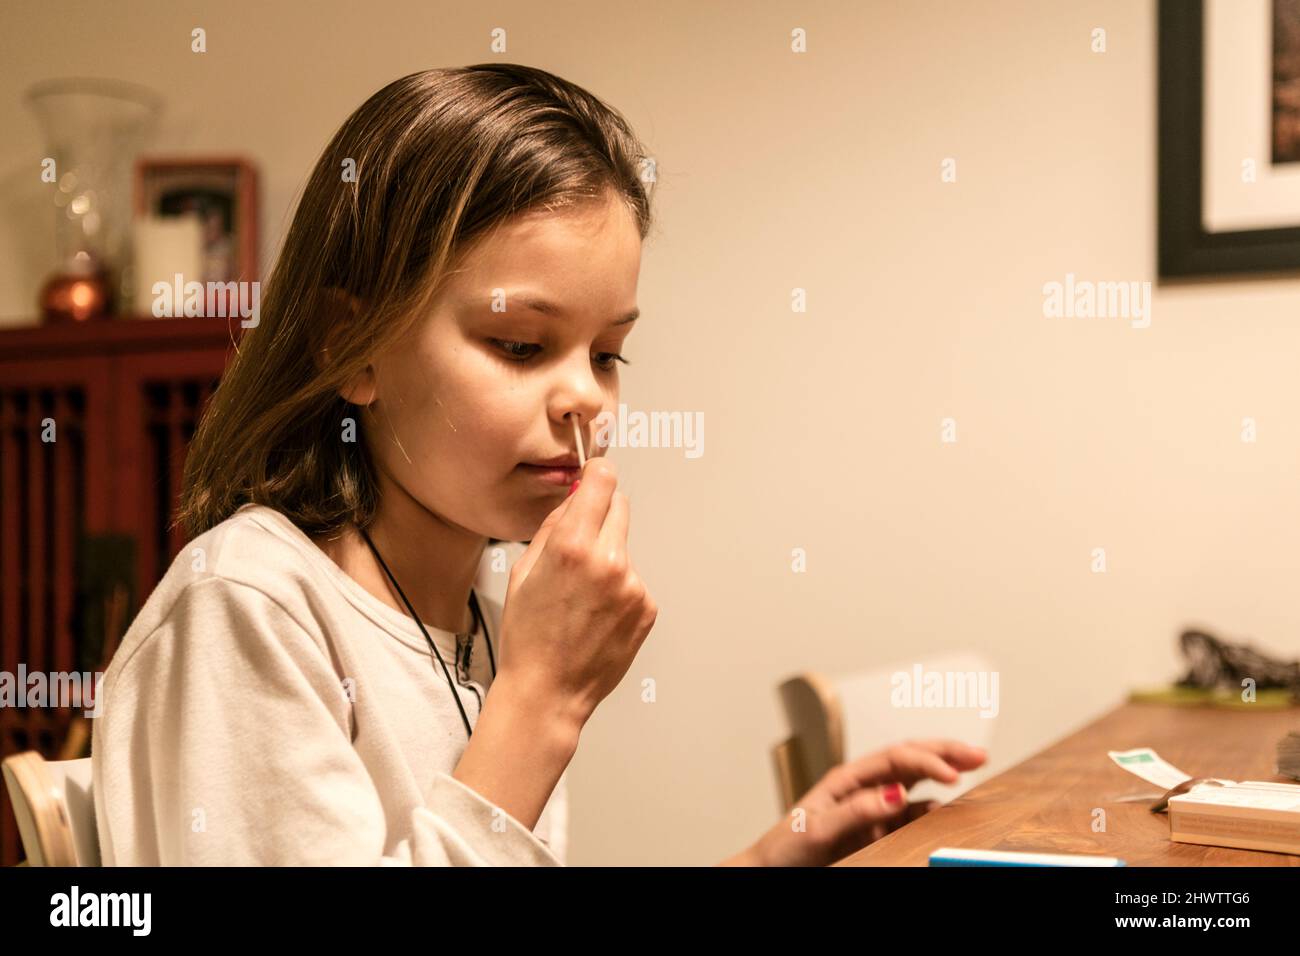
{"points": [[518, 352], [608, 363], [515, 349]]}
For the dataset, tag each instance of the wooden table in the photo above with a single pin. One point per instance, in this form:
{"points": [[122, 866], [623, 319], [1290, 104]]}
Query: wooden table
{"points": [[1046, 803]]}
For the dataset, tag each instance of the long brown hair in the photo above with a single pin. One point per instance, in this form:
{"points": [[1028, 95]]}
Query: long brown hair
{"points": [[422, 168]]}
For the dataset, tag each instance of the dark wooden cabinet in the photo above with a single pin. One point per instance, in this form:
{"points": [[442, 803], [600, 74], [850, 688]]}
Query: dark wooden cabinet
{"points": [[95, 420]]}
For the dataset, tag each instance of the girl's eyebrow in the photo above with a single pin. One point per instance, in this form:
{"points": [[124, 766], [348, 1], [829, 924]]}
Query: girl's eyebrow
{"points": [[537, 304]]}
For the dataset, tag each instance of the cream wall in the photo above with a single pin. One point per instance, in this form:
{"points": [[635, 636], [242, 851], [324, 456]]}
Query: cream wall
{"points": [[821, 171]]}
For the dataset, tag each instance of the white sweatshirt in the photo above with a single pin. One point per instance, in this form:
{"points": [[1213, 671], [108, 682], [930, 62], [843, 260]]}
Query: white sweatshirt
{"points": [[265, 709]]}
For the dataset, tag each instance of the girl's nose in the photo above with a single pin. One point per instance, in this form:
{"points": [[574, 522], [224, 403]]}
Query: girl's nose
{"points": [[582, 404]]}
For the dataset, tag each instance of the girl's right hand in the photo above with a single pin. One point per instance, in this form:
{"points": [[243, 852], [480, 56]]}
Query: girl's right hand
{"points": [[858, 802], [576, 612]]}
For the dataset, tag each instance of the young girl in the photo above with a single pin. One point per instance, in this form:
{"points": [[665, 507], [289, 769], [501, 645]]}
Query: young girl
{"points": [[338, 669]]}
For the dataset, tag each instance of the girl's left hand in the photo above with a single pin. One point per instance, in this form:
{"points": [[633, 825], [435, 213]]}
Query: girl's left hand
{"points": [[860, 801]]}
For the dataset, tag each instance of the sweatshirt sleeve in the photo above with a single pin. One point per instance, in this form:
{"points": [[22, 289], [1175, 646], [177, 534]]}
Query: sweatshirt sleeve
{"points": [[225, 740]]}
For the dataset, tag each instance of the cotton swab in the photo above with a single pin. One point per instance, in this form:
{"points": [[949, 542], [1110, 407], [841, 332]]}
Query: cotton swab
{"points": [[577, 438]]}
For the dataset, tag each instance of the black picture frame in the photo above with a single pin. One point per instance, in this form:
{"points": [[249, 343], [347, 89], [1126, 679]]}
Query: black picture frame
{"points": [[1186, 250]]}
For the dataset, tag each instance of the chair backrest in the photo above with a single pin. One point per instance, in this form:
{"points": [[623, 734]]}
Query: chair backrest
{"points": [[834, 720], [816, 742], [54, 805]]}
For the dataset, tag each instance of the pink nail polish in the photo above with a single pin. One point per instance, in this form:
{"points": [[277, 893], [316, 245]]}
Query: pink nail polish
{"points": [[894, 794], [574, 487]]}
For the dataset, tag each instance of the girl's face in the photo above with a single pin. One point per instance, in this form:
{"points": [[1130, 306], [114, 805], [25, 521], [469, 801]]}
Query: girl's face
{"points": [[524, 336]]}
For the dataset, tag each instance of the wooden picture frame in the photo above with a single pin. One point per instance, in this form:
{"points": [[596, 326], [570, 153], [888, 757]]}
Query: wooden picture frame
{"points": [[222, 189]]}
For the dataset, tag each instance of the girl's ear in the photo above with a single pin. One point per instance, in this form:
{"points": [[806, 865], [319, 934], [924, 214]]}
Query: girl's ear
{"points": [[341, 312], [360, 390]]}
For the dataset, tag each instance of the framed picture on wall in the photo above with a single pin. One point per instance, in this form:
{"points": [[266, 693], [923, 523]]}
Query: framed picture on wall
{"points": [[1229, 137]]}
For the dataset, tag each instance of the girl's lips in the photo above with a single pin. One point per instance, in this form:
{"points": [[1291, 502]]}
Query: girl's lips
{"points": [[553, 474]]}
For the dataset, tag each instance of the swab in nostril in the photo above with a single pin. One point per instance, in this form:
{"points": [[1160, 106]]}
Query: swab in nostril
{"points": [[577, 440]]}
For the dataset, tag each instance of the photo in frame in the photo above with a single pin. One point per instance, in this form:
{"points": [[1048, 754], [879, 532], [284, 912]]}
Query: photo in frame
{"points": [[1229, 137], [196, 216]]}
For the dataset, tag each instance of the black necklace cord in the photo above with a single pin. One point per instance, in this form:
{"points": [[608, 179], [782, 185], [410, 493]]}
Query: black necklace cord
{"points": [[478, 619]]}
